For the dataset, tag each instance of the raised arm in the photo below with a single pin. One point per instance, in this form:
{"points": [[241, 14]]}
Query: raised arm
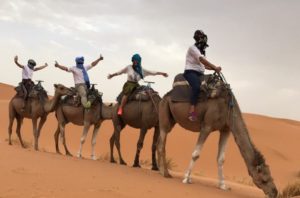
{"points": [[123, 71], [40, 67], [61, 66], [154, 73], [209, 65], [94, 63], [17, 63]]}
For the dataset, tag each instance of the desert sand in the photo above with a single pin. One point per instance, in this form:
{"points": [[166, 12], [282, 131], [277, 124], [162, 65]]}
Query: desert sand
{"points": [[28, 173]]}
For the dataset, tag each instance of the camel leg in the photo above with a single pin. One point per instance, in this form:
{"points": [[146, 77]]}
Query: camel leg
{"points": [[196, 154], [56, 138], [154, 144], [161, 151], [18, 131], [63, 137], [139, 148], [224, 134], [10, 125], [41, 124], [35, 133], [166, 123], [95, 132], [112, 143], [117, 133], [83, 137]]}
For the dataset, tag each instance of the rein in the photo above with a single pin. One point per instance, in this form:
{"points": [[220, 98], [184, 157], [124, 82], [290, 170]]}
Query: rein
{"points": [[231, 100]]}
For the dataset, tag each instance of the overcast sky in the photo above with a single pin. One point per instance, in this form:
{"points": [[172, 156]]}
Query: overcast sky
{"points": [[256, 42]]}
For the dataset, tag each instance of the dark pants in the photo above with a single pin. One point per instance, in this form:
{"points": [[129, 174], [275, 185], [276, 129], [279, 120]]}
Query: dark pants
{"points": [[27, 84], [192, 77]]}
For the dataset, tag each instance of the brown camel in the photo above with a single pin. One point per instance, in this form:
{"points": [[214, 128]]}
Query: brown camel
{"points": [[77, 115], [142, 115], [37, 106], [222, 114]]}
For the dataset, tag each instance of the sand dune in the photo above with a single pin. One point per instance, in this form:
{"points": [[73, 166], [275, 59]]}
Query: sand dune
{"points": [[27, 173]]}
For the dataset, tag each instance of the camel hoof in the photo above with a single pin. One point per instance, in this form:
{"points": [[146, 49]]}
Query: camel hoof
{"points": [[69, 154], [224, 187], [79, 155], [9, 143], [136, 165], [123, 163], [93, 157], [154, 168], [58, 152], [166, 174], [187, 180], [113, 161]]}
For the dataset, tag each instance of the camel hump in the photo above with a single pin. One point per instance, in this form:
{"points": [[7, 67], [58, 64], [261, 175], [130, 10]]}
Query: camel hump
{"points": [[181, 91], [141, 93]]}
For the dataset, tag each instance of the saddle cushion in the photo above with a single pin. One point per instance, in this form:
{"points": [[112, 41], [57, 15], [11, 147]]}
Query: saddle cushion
{"points": [[93, 95], [141, 93], [182, 91]]}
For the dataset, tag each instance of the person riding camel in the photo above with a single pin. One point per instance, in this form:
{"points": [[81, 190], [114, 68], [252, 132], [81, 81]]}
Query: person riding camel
{"points": [[134, 72], [196, 63], [27, 73], [81, 78]]}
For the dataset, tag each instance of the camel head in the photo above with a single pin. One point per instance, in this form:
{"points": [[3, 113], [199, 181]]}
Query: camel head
{"points": [[62, 90], [262, 176]]}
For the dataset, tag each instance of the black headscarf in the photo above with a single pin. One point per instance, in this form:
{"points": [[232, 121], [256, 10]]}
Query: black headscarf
{"points": [[201, 41]]}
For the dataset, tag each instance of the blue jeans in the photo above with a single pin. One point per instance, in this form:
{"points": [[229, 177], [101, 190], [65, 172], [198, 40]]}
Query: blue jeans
{"points": [[192, 77]]}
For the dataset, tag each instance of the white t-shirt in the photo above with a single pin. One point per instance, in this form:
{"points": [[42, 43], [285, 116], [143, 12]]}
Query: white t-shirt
{"points": [[134, 76], [77, 73], [192, 60], [27, 73]]}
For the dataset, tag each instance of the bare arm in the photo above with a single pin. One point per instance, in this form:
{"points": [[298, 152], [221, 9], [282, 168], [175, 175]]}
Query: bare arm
{"points": [[209, 65], [40, 67], [123, 71], [61, 66], [162, 74], [154, 73], [17, 63], [93, 64]]}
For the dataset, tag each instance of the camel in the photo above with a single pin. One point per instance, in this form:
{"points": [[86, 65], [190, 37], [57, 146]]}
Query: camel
{"points": [[37, 106], [222, 114], [79, 116], [138, 114]]}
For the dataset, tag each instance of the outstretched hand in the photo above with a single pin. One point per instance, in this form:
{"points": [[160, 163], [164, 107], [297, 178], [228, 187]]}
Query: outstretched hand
{"points": [[46, 64], [16, 58], [165, 75], [101, 57], [109, 76], [56, 64]]}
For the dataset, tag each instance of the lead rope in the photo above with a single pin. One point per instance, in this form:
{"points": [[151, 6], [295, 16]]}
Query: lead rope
{"points": [[231, 101], [156, 109]]}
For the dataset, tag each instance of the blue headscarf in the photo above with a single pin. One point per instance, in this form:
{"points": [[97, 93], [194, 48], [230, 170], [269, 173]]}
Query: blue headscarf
{"points": [[79, 64], [138, 68]]}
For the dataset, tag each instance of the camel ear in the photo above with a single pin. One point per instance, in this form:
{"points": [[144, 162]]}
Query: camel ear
{"points": [[55, 85]]}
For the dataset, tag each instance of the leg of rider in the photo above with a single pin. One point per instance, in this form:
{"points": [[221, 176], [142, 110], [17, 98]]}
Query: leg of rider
{"points": [[193, 79], [82, 92], [123, 102]]}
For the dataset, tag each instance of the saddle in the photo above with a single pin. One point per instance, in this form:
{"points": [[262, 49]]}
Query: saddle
{"points": [[93, 95], [142, 93], [209, 88], [33, 91]]}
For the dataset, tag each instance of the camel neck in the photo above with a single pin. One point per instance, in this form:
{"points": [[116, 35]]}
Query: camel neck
{"points": [[51, 104]]}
